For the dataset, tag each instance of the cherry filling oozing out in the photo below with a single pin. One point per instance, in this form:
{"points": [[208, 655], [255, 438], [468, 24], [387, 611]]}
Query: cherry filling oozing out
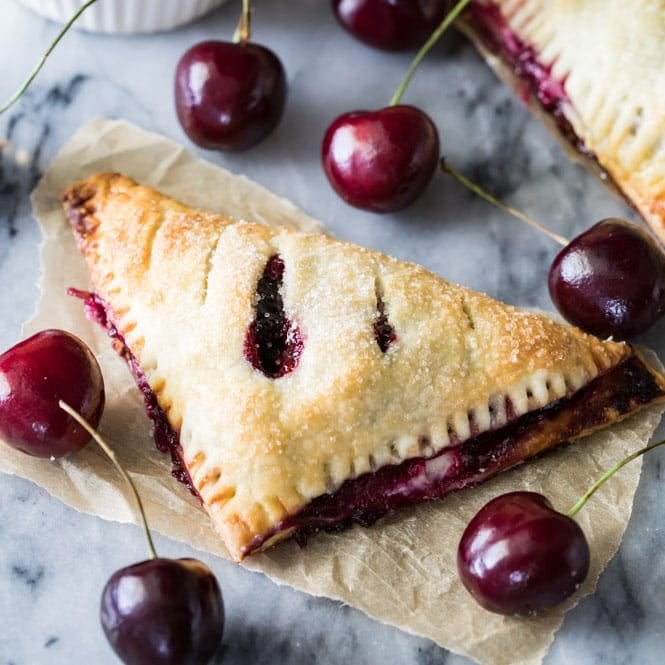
{"points": [[166, 438], [370, 496], [273, 343], [498, 38]]}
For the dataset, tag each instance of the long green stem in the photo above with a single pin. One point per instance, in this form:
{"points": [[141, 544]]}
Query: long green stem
{"points": [[608, 474], [476, 189], [26, 84], [243, 31], [434, 37], [111, 455]]}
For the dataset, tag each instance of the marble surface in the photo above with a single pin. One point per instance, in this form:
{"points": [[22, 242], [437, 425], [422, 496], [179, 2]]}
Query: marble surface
{"points": [[54, 561]]}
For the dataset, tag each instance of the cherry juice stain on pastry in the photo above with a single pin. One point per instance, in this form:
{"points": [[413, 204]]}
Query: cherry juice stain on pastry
{"points": [[273, 343]]}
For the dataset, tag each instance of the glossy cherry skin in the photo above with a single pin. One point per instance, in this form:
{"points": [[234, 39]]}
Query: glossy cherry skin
{"points": [[163, 612], [610, 280], [229, 96], [391, 25], [35, 374], [381, 160], [520, 556]]}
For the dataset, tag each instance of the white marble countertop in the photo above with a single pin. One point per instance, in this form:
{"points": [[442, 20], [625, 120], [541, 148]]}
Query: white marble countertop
{"points": [[53, 560]]}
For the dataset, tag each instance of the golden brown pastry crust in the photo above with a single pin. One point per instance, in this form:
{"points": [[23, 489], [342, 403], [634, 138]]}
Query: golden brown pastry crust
{"points": [[608, 54], [181, 287]]}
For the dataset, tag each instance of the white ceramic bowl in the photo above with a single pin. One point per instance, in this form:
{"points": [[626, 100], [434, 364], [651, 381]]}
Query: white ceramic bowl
{"points": [[125, 16]]}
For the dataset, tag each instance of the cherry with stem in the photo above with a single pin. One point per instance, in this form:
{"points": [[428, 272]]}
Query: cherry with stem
{"points": [[159, 611], [520, 556], [230, 95], [383, 160], [49, 365], [609, 280]]}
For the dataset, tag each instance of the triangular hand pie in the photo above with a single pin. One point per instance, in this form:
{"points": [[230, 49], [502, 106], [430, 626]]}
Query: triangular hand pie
{"points": [[304, 383]]}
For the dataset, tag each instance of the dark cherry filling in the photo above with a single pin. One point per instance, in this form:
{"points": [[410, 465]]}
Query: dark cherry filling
{"points": [[498, 38], [273, 343], [166, 438], [384, 333], [365, 499]]}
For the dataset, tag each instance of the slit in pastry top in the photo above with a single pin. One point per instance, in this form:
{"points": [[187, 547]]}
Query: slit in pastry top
{"points": [[273, 343]]}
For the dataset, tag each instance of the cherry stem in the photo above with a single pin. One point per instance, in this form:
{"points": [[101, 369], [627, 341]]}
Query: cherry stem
{"points": [[26, 84], [111, 455], [608, 474], [243, 31], [434, 37], [476, 189]]}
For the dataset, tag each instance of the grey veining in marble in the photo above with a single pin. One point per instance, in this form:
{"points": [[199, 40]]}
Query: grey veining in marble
{"points": [[54, 561]]}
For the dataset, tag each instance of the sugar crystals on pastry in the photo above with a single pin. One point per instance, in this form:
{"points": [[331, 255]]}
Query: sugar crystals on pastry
{"points": [[305, 383]]}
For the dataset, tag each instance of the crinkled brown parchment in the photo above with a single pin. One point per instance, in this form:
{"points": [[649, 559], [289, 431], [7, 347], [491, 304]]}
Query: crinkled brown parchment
{"points": [[401, 571]]}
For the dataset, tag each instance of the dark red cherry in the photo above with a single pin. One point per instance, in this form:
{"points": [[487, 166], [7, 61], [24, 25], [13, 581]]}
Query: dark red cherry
{"points": [[229, 96], [519, 556], [610, 280], [392, 25], [163, 612], [35, 374], [381, 160]]}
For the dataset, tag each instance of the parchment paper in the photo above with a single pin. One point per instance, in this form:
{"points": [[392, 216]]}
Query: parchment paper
{"points": [[402, 570]]}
